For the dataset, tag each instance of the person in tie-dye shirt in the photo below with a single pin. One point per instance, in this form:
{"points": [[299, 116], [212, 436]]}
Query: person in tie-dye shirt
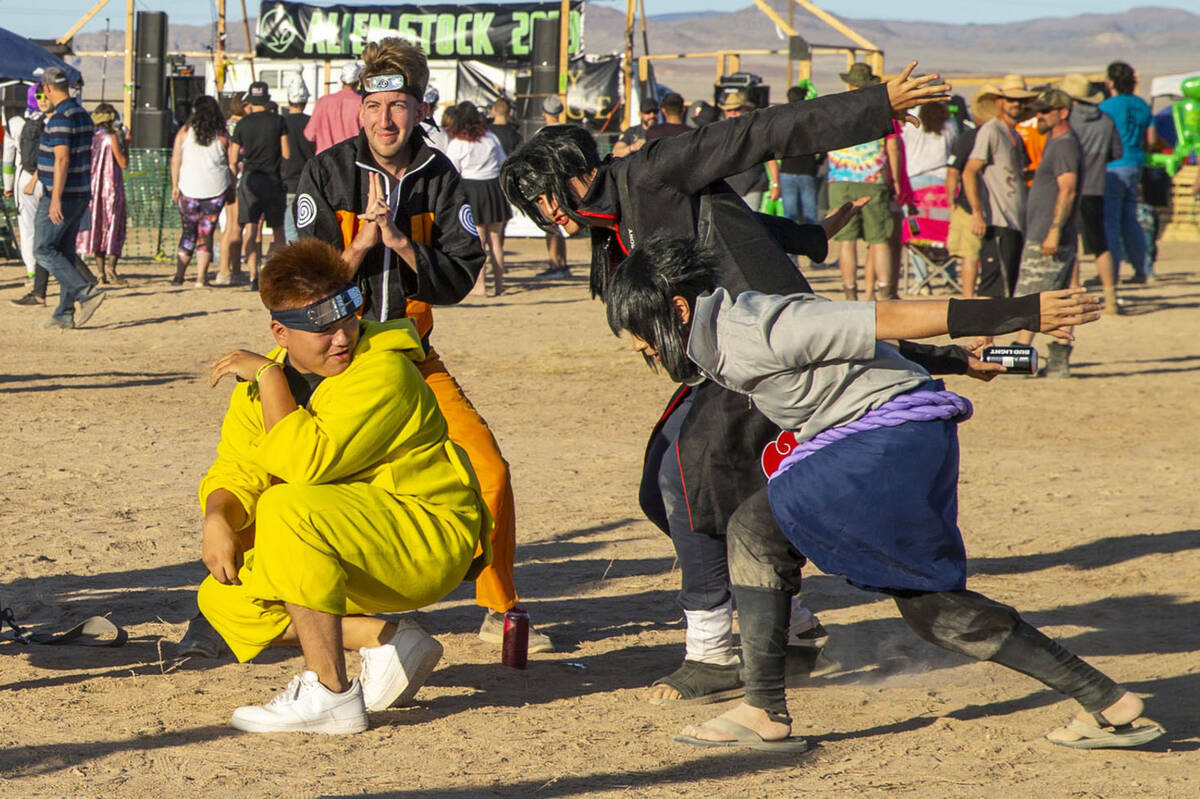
{"points": [[862, 170]]}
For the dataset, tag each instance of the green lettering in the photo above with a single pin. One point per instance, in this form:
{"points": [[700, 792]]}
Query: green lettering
{"points": [[482, 34], [358, 40], [462, 34], [443, 42], [575, 31], [347, 25], [520, 34], [314, 34]]}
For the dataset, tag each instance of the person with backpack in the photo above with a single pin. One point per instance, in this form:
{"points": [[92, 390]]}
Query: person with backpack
{"points": [[22, 134]]}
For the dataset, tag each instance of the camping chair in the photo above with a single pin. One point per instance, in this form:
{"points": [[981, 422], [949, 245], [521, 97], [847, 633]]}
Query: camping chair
{"points": [[8, 232], [929, 263]]}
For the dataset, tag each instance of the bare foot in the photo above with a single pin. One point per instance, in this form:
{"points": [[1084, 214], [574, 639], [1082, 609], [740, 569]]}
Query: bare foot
{"points": [[750, 717], [662, 691]]}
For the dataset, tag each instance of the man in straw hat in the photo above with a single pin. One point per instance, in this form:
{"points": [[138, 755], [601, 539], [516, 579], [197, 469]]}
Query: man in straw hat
{"points": [[1101, 143], [994, 182], [961, 241], [864, 170]]}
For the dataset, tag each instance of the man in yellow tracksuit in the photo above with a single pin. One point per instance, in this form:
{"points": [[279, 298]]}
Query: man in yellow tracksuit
{"points": [[336, 493], [395, 207]]}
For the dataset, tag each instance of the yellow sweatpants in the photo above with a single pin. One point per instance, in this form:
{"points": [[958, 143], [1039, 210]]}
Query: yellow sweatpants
{"points": [[340, 548], [494, 586]]}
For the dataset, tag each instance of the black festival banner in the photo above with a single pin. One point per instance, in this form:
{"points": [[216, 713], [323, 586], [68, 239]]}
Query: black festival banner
{"points": [[487, 32]]}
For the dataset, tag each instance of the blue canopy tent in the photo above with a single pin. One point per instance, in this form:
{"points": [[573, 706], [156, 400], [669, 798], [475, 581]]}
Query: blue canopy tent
{"points": [[19, 58]]}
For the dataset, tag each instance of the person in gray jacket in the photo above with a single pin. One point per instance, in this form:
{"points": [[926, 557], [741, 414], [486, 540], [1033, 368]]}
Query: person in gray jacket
{"points": [[869, 489]]}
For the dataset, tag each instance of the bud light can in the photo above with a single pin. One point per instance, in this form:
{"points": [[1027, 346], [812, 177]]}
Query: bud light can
{"points": [[1020, 359], [516, 638]]}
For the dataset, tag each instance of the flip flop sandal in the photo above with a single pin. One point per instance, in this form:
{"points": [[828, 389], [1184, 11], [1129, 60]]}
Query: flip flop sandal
{"points": [[743, 736], [1103, 735], [96, 631], [701, 684]]}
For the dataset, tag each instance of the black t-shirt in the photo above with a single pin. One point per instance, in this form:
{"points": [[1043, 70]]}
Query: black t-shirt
{"points": [[258, 135], [801, 165], [303, 150], [508, 134], [959, 153], [664, 129]]}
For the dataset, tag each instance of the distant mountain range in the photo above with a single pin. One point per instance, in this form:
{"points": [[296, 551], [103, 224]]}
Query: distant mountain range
{"points": [[1155, 40]]}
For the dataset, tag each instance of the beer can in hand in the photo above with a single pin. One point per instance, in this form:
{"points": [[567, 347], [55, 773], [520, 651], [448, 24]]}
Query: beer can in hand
{"points": [[1020, 359], [516, 638]]}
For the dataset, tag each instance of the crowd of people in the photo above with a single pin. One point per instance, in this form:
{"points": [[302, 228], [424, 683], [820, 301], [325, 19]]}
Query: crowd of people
{"points": [[354, 477]]}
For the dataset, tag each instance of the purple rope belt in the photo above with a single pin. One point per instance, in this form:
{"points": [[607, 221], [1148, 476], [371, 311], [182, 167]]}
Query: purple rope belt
{"points": [[915, 406]]}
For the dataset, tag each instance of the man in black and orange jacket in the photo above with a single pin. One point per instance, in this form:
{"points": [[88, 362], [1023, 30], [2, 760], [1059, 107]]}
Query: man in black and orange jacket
{"points": [[395, 207]]}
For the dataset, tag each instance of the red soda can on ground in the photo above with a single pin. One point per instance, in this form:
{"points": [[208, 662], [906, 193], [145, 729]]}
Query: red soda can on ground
{"points": [[516, 638]]}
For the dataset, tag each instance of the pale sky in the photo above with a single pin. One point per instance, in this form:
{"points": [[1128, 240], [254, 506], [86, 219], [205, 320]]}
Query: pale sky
{"points": [[52, 18]]}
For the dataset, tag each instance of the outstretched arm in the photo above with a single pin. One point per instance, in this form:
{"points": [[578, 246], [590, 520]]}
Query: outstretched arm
{"points": [[1048, 312]]}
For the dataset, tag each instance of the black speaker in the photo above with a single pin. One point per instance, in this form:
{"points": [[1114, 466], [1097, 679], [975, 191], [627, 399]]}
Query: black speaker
{"points": [[544, 79], [182, 92], [149, 71], [151, 128]]}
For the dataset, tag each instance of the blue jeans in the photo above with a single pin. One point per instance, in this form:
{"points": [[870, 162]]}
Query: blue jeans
{"points": [[799, 195], [1126, 240], [703, 568], [54, 249]]}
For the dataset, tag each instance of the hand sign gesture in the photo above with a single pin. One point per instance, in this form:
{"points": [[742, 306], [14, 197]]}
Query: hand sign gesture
{"points": [[905, 92], [378, 216]]}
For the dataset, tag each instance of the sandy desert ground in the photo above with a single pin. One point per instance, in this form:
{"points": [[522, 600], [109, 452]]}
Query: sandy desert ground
{"points": [[1079, 506]]}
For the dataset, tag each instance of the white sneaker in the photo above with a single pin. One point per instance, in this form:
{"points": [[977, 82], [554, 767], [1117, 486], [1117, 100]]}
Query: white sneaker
{"points": [[392, 673], [306, 706]]}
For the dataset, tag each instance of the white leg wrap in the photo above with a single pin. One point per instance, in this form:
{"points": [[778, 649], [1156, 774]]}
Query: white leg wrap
{"points": [[710, 635]]}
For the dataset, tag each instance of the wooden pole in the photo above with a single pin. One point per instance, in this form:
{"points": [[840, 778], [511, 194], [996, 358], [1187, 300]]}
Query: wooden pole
{"points": [[127, 102], [74, 29], [219, 55], [628, 63], [792, 25], [564, 32], [249, 43]]}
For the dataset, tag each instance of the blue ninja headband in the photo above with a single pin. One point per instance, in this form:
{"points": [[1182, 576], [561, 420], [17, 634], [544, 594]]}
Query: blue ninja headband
{"points": [[321, 314]]}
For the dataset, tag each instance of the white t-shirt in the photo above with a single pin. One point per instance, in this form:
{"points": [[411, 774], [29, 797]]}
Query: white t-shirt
{"points": [[203, 171], [477, 160], [927, 153]]}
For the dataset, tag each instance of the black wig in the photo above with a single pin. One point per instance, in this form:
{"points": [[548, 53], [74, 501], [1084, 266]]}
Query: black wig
{"points": [[543, 165], [641, 292]]}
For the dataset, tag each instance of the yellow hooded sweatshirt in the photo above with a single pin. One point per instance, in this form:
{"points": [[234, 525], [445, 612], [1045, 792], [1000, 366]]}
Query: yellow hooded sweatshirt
{"points": [[360, 502]]}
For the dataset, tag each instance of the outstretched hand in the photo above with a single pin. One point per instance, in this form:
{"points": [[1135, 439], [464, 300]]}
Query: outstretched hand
{"points": [[976, 366], [840, 217], [1065, 308], [905, 92]]}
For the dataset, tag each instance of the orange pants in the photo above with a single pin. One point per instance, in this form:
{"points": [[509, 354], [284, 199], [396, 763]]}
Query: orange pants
{"points": [[494, 586]]}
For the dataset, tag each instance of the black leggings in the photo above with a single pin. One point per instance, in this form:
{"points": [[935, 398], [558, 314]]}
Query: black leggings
{"points": [[765, 572]]}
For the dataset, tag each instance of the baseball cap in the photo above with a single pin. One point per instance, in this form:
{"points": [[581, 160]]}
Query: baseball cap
{"points": [[53, 76], [432, 96], [552, 105], [350, 73], [258, 94], [1050, 100]]}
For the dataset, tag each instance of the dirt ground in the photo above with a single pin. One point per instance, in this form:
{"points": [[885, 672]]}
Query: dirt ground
{"points": [[1078, 504]]}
